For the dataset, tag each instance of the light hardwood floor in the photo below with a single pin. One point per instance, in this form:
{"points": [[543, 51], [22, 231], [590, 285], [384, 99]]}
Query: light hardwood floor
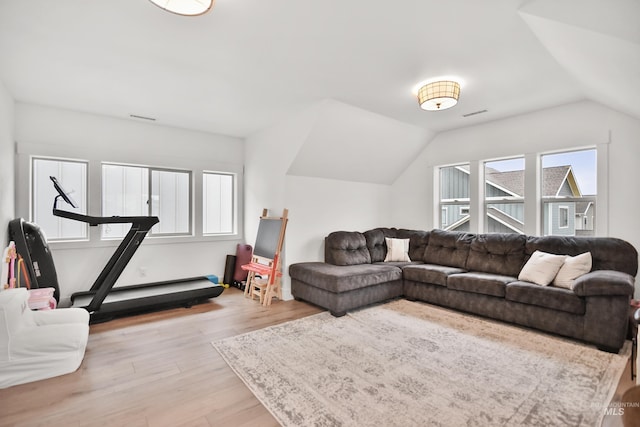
{"points": [[159, 369]]}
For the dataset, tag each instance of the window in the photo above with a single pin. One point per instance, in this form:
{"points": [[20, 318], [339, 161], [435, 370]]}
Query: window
{"points": [[218, 203], [563, 203], [569, 187], [144, 191], [72, 174], [504, 196], [454, 198], [563, 216], [171, 201], [444, 220], [125, 192]]}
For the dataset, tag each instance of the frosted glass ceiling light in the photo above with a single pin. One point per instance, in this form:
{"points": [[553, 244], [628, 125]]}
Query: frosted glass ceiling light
{"points": [[185, 7], [439, 95]]}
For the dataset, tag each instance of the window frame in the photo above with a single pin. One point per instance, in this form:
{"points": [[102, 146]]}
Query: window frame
{"points": [[234, 203], [95, 157]]}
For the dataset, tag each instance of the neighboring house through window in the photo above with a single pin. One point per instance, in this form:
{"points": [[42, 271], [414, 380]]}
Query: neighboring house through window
{"points": [[563, 216], [569, 187], [504, 196], [454, 197], [567, 195]]}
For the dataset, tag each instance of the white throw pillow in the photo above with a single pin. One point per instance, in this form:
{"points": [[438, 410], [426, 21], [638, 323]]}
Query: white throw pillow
{"points": [[573, 267], [541, 268], [397, 250]]}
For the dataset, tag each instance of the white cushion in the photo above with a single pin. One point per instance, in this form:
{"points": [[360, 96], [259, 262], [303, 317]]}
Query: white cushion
{"points": [[573, 267], [397, 250], [541, 268]]}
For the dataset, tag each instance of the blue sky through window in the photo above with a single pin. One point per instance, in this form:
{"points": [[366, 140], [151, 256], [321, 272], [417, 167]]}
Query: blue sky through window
{"points": [[583, 164]]}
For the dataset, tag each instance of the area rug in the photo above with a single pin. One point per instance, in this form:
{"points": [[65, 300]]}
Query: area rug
{"points": [[412, 364]]}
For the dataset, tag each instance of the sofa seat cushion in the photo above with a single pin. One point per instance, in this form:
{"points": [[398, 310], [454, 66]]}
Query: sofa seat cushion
{"points": [[547, 296], [480, 283], [338, 279], [399, 264], [430, 273]]}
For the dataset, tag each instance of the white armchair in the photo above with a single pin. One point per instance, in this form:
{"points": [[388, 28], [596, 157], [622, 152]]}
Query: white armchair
{"points": [[35, 345]]}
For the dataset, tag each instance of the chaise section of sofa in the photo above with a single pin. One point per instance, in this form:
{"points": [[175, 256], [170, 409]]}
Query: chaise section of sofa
{"points": [[478, 273], [348, 279], [343, 288]]}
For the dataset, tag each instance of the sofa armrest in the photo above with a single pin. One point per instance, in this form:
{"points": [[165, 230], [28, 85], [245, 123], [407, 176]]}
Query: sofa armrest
{"points": [[61, 316], [604, 282]]}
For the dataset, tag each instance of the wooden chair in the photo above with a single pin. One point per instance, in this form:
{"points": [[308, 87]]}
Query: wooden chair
{"points": [[266, 259]]}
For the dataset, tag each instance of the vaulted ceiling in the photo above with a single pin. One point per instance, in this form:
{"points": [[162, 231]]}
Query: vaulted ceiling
{"points": [[250, 63]]}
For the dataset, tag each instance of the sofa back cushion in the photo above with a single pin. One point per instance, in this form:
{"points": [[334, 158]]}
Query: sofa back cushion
{"points": [[346, 248], [448, 248], [376, 243], [497, 254], [607, 253], [418, 241]]}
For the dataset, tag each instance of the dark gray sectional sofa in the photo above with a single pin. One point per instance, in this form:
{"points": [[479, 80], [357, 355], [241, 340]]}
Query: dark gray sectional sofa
{"points": [[477, 273]]}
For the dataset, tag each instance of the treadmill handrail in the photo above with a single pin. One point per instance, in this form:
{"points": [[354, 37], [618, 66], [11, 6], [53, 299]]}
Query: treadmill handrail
{"points": [[145, 221]]}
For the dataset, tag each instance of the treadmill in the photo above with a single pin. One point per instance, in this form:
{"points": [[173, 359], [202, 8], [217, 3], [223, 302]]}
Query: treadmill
{"points": [[102, 300]]}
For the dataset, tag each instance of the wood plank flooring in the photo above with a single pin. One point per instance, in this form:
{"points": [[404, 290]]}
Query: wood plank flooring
{"points": [[159, 369]]}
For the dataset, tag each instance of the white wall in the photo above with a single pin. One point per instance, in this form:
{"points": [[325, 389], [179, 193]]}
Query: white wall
{"points": [[624, 176], [317, 206], [7, 156], [268, 155], [55, 132], [581, 124]]}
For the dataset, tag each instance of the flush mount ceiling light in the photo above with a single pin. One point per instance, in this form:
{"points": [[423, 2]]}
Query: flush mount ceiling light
{"points": [[439, 95], [185, 7]]}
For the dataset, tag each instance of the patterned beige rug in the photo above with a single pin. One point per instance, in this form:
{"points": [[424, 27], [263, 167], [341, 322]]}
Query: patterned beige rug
{"points": [[412, 364]]}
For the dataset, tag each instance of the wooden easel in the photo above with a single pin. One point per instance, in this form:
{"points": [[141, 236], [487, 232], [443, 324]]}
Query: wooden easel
{"points": [[266, 260]]}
